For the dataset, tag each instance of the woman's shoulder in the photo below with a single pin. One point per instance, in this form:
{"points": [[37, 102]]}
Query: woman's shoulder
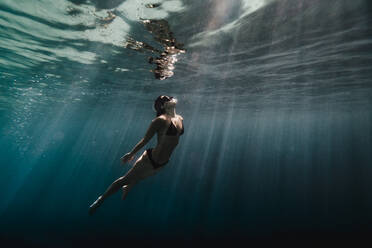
{"points": [[160, 118], [164, 118], [159, 122]]}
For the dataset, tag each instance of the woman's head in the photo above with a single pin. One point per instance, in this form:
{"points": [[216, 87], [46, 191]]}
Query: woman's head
{"points": [[162, 102]]}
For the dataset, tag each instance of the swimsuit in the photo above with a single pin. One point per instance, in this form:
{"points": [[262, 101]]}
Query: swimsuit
{"points": [[172, 131], [154, 164]]}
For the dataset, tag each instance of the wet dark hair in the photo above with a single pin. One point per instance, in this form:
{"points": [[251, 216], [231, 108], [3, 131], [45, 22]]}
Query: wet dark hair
{"points": [[159, 103]]}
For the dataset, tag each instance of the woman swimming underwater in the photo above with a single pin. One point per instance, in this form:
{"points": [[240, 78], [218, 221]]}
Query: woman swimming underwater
{"points": [[169, 126]]}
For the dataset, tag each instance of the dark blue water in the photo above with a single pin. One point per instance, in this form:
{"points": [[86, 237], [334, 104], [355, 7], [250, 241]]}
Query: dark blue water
{"points": [[276, 99]]}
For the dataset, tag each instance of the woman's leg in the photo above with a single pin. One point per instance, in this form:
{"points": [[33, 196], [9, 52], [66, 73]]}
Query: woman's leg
{"points": [[125, 190], [140, 170]]}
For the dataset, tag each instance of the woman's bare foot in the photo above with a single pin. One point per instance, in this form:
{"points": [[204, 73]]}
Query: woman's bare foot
{"points": [[125, 189], [95, 205]]}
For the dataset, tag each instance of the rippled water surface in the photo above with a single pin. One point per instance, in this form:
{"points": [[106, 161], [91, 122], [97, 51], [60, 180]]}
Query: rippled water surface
{"points": [[276, 97]]}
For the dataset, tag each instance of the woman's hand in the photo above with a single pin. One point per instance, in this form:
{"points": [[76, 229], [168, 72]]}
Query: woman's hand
{"points": [[126, 158]]}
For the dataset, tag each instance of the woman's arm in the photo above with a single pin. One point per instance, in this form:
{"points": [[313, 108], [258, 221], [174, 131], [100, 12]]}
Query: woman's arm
{"points": [[154, 127]]}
